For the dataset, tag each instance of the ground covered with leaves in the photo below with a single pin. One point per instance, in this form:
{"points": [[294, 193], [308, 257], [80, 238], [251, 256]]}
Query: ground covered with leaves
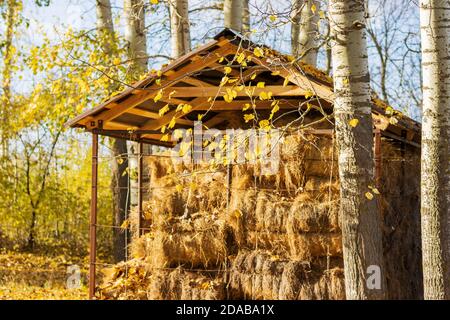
{"points": [[37, 276]]}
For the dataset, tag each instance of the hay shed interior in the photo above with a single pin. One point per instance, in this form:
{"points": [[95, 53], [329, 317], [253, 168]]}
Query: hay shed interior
{"points": [[241, 234]]}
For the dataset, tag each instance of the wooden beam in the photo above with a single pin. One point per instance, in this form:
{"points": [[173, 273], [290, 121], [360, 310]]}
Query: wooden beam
{"points": [[139, 96], [154, 115], [189, 92], [197, 82]]}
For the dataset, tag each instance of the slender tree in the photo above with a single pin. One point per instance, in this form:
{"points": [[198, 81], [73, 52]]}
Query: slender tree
{"points": [[435, 185], [12, 8], [179, 27], [246, 16], [304, 29], [361, 230], [233, 14], [119, 164]]}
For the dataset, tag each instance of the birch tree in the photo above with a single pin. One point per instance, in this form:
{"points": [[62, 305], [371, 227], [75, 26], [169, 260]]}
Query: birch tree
{"points": [[233, 14], [435, 184], [304, 30], [135, 36], [119, 163], [361, 230], [179, 28]]}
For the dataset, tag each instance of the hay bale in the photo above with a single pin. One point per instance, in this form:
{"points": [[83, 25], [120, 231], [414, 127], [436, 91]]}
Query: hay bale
{"points": [[301, 246], [259, 275], [200, 241], [180, 284], [134, 280]]}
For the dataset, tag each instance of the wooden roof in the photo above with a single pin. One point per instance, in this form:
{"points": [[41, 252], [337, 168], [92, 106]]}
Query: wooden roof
{"points": [[195, 80]]}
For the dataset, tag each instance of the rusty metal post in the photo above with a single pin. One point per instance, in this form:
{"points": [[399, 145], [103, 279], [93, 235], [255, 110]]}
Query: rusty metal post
{"points": [[140, 186], [377, 156], [93, 218]]}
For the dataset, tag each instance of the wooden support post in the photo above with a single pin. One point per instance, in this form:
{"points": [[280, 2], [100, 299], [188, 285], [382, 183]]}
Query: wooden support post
{"points": [[377, 158], [93, 218], [140, 186]]}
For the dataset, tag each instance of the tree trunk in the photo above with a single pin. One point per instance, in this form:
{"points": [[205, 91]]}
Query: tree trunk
{"points": [[361, 229], [8, 62], [246, 17], [119, 163], [31, 236], [304, 32], [435, 185], [135, 35], [233, 14], [179, 28]]}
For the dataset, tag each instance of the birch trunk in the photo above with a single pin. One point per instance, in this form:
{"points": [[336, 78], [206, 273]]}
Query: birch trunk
{"points": [[119, 163], [304, 30], [179, 28], [12, 11], [246, 17], [361, 229], [233, 14], [136, 37], [137, 52], [435, 185]]}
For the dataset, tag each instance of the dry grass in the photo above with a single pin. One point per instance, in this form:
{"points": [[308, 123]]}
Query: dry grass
{"points": [[259, 275]]}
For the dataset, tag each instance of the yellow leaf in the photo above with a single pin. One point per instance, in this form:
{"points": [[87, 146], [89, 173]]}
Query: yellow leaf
{"points": [[393, 120], [163, 110], [389, 111], [313, 8], [172, 123], [264, 124], [275, 73], [286, 81], [187, 108], [353, 122], [179, 187], [246, 107], [125, 224], [253, 76], [369, 195], [154, 1], [260, 85], [238, 213], [273, 18], [200, 117], [275, 108], [309, 94], [376, 191], [224, 80], [116, 61], [158, 96], [322, 15], [227, 70], [165, 137], [258, 52], [248, 117], [221, 59], [240, 58]]}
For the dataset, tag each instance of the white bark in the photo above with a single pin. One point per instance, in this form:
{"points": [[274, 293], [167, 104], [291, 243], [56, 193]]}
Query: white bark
{"points": [[135, 36], [179, 27], [246, 17], [435, 184], [137, 51], [233, 14], [304, 29], [361, 227]]}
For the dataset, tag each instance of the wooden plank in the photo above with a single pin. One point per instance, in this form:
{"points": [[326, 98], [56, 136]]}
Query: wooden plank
{"points": [[116, 109], [154, 115], [189, 92], [197, 82]]}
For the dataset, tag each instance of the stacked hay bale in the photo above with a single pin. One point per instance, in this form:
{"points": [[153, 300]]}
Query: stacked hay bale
{"points": [[279, 237]]}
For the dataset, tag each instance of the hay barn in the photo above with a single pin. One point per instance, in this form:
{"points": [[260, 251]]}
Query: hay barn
{"points": [[231, 231]]}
